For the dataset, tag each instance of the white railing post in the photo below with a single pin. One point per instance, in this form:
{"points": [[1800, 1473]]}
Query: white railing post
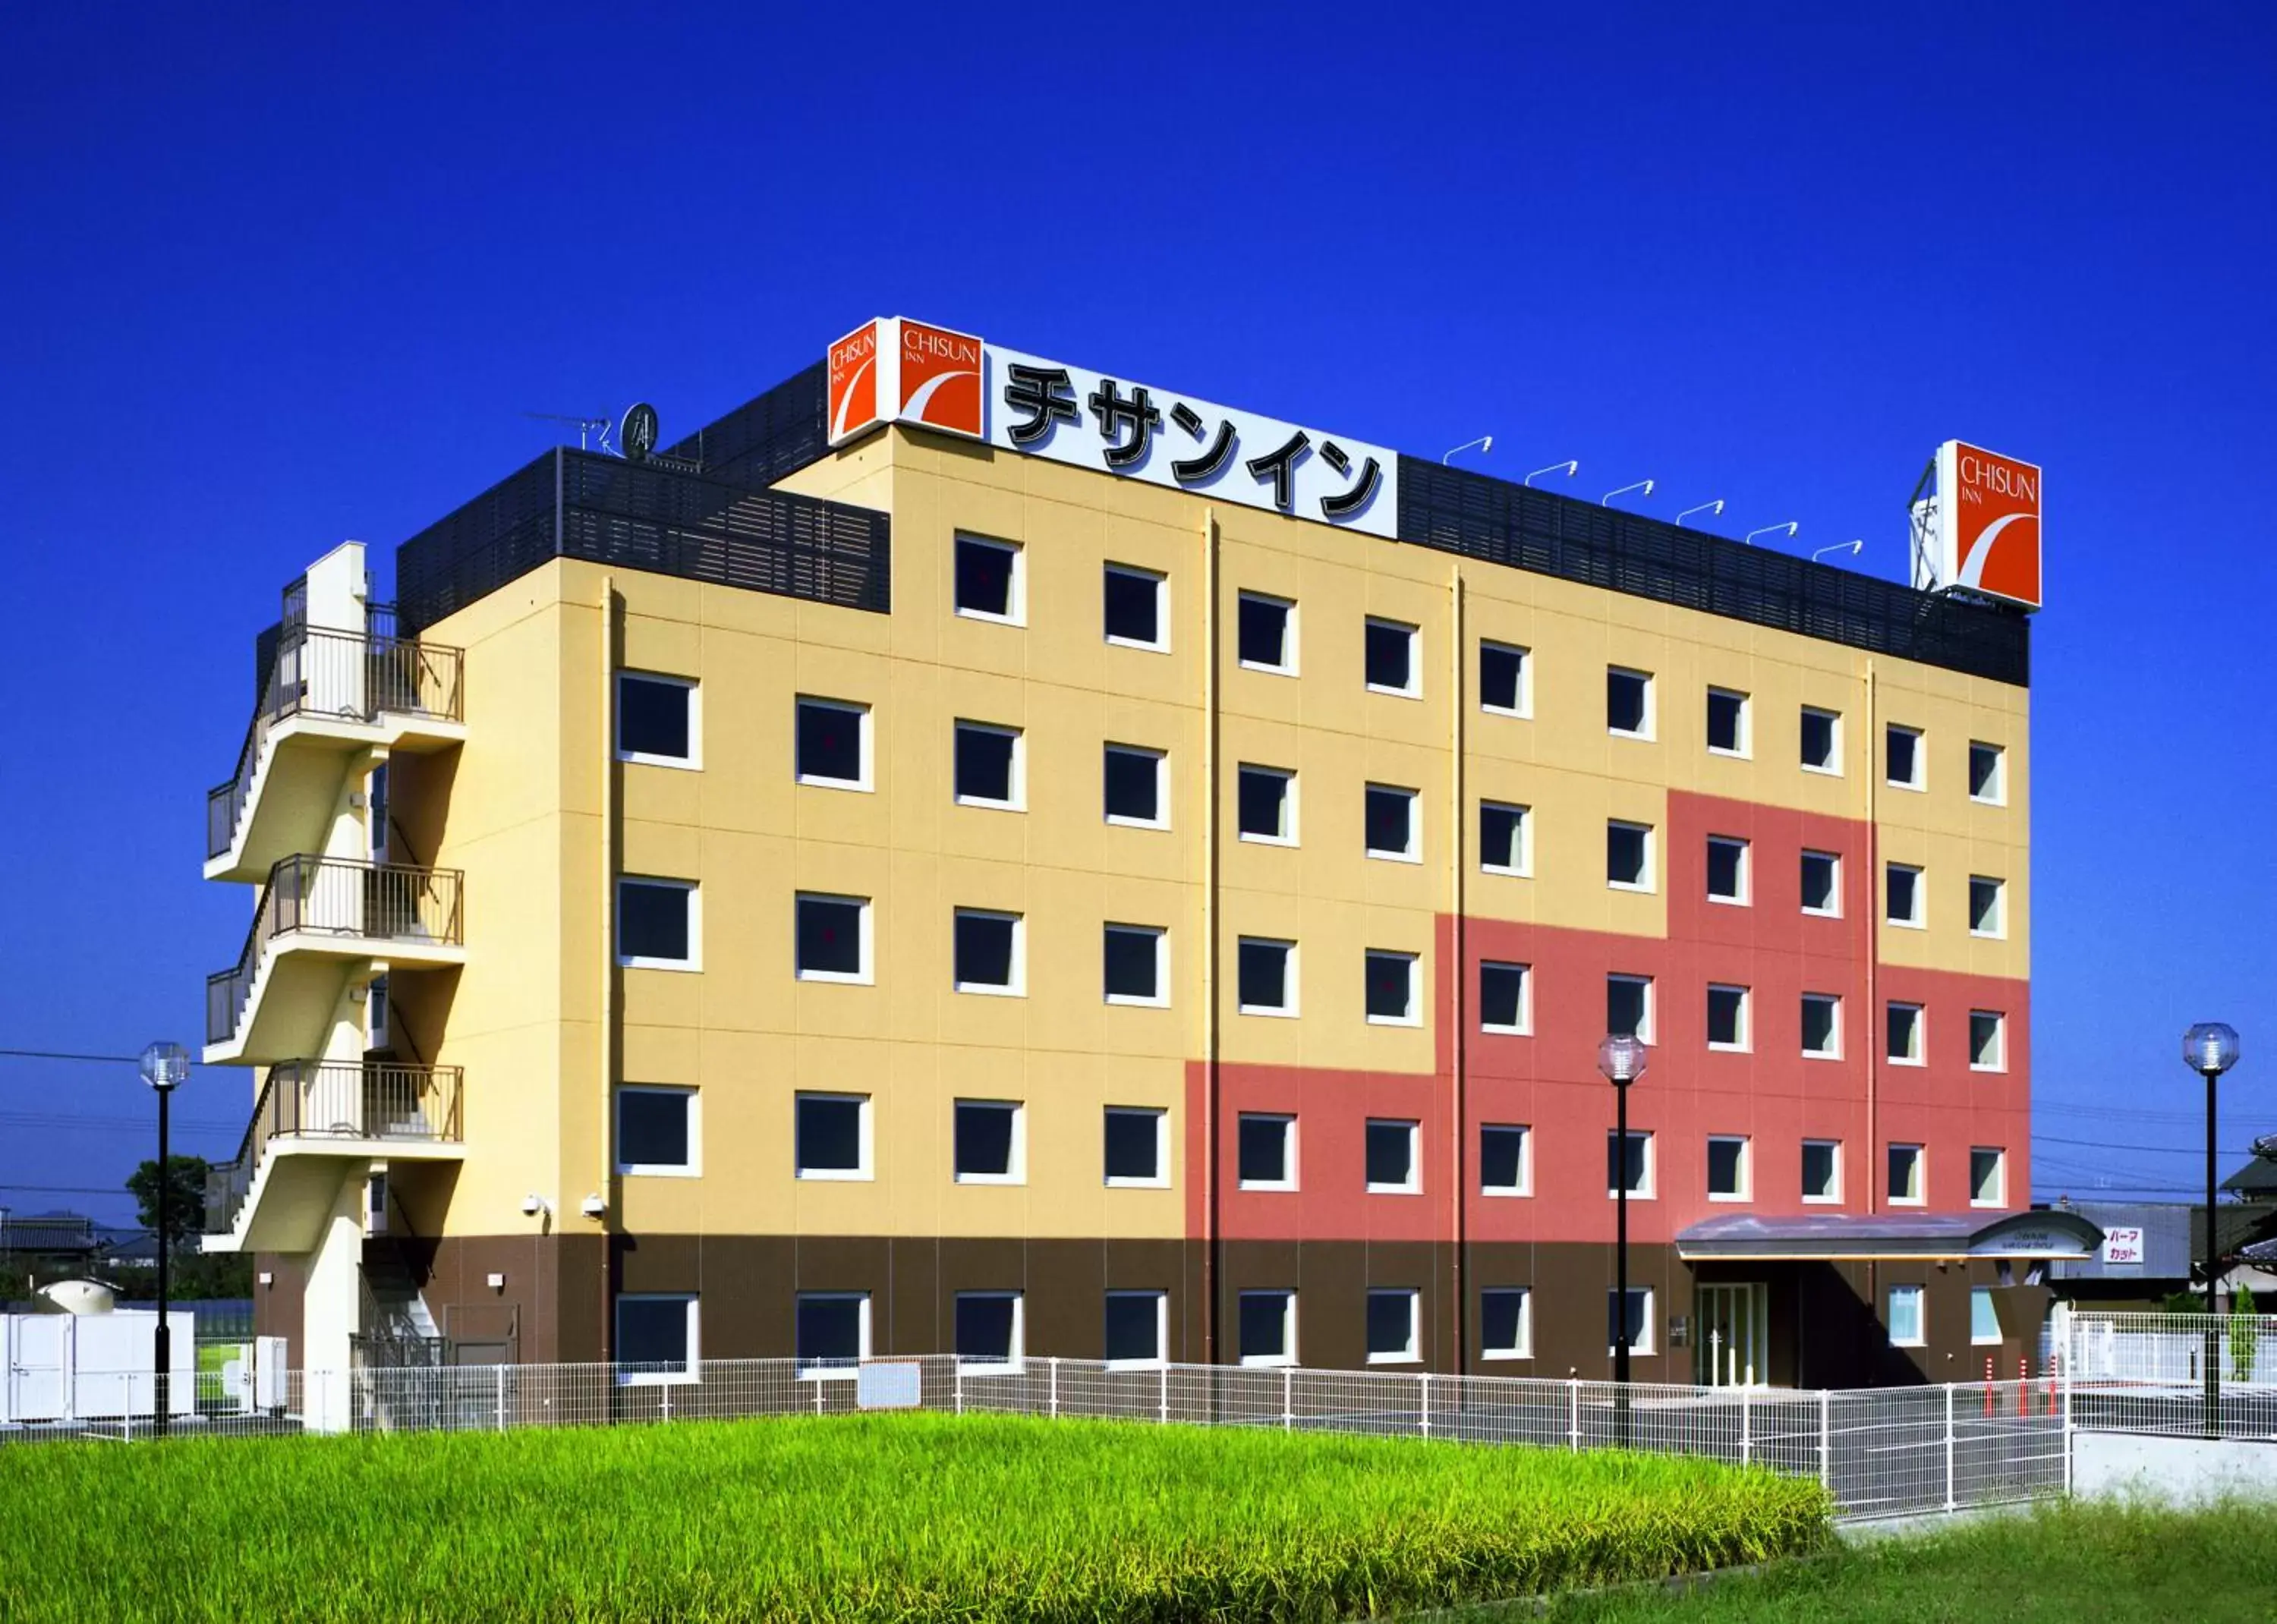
{"points": [[1825, 1437], [1166, 1392], [959, 1367], [501, 1398], [1054, 1374], [1573, 1412], [1288, 1406], [1426, 1404], [1948, 1446], [2070, 1436], [1747, 1430], [666, 1391]]}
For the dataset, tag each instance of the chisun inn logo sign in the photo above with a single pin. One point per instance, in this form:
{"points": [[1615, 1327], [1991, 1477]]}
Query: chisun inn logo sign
{"points": [[897, 370]]}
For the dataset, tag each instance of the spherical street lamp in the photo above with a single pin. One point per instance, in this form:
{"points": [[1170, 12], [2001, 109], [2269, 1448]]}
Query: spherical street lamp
{"points": [[2209, 1049], [1621, 1057], [165, 1068]]}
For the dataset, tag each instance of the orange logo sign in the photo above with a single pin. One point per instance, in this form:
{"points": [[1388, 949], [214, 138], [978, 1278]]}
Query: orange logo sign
{"points": [[854, 367], [1994, 515], [941, 379]]}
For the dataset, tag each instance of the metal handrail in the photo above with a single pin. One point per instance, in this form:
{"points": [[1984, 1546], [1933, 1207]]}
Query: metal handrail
{"points": [[336, 1099], [351, 676]]}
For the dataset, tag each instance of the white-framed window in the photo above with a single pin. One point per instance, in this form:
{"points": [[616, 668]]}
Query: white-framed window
{"points": [[1395, 1325], [1988, 1041], [1728, 877], [1728, 1025], [990, 767], [831, 1335], [1132, 611], [1905, 757], [1821, 740], [991, 1141], [1506, 839], [1505, 678], [1265, 632], [1393, 666], [1640, 1319], [659, 923], [1135, 962], [659, 720], [1822, 884], [991, 580], [1265, 976], [1628, 702], [991, 953], [1635, 1167], [1137, 1330], [1137, 1153], [1822, 1171], [833, 745], [1905, 899], [1391, 824], [1393, 995], [1907, 1325], [991, 1333], [658, 1337], [1394, 1153], [831, 937], [1729, 732], [1908, 1176], [1136, 792], [1265, 1150], [1628, 855], [1506, 1323], [1505, 996], [1984, 1318], [1988, 773], [1731, 1168], [1822, 1026], [1988, 906], [1265, 804], [1505, 1158], [1988, 1177], [658, 1131], [1266, 1327], [831, 1136], [1909, 1040], [1628, 1006]]}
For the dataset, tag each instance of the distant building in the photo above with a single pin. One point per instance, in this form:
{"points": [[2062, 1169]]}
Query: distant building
{"points": [[47, 1245], [2151, 1251]]}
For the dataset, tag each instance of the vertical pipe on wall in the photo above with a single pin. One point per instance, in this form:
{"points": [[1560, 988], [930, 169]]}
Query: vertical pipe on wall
{"points": [[1458, 967], [608, 1035], [1211, 619], [1872, 1036]]}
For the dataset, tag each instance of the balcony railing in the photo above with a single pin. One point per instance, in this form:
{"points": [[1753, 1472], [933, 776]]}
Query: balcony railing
{"points": [[320, 1099], [339, 897], [348, 676]]}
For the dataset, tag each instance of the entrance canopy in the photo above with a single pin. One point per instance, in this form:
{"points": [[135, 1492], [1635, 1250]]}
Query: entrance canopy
{"points": [[1841, 1237]]}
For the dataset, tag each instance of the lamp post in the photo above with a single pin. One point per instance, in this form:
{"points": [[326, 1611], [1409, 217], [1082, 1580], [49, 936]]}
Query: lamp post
{"points": [[2209, 1049], [165, 1066], [1621, 1057]]}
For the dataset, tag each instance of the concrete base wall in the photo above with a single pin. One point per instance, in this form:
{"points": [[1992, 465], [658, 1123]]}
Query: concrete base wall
{"points": [[2180, 1470]]}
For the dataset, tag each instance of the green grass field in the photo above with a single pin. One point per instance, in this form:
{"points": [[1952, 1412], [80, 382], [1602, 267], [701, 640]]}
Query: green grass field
{"points": [[901, 1517]]}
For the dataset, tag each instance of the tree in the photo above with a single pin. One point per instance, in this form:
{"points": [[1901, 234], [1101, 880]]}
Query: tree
{"points": [[186, 1198], [2244, 1335]]}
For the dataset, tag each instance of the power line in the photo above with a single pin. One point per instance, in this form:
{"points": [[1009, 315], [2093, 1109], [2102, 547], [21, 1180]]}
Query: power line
{"points": [[102, 1060]]}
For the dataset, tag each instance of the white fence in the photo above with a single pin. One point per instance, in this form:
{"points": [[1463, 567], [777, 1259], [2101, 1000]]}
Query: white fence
{"points": [[2149, 1373]]}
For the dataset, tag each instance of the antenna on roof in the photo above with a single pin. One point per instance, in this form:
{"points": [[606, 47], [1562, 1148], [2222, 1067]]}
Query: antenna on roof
{"points": [[588, 428]]}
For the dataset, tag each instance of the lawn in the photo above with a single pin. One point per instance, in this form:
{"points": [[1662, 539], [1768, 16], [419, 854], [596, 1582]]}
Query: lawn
{"points": [[855, 1518]]}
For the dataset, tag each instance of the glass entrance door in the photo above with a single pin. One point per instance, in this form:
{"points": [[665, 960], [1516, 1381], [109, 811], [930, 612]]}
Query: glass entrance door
{"points": [[1731, 1346]]}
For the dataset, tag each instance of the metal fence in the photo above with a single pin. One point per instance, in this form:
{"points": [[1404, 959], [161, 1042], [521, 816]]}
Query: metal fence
{"points": [[2196, 1375]]}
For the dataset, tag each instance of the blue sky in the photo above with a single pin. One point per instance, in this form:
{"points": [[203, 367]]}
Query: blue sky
{"points": [[279, 277]]}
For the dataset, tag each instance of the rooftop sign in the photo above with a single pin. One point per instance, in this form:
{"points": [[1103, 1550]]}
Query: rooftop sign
{"points": [[1982, 533]]}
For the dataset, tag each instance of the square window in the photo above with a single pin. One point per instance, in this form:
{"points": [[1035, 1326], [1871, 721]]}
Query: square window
{"points": [[1265, 1151], [1727, 869], [988, 579], [988, 1331], [833, 1332], [989, 956], [1266, 633], [1267, 1323], [1906, 1040], [1628, 702], [991, 1141], [1906, 1327], [1628, 856], [1729, 1173], [656, 1337], [1391, 657], [831, 1136], [1134, 793], [1133, 959], [1821, 1170], [1393, 1165], [1505, 680], [1822, 884], [1984, 1318], [1727, 1017], [1390, 820], [1822, 740], [1628, 1006], [1905, 763], [1266, 974], [1638, 1319], [1266, 804], [1137, 1328], [1988, 1041], [1907, 1183], [656, 1130], [1505, 845], [1634, 1168], [988, 766], [1902, 894], [1822, 1026], [657, 924], [834, 744], [1988, 1178], [1138, 1147], [1987, 913], [833, 937], [1505, 1160], [1392, 979], [1132, 611], [1394, 1321], [1727, 723], [1506, 1323], [1505, 1004], [656, 719], [1988, 773]]}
